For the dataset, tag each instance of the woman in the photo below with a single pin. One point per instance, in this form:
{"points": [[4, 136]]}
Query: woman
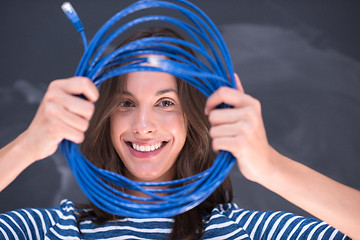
{"points": [[150, 126]]}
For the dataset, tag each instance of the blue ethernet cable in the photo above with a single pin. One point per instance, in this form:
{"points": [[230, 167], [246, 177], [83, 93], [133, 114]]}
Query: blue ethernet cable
{"points": [[207, 75], [74, 18]]}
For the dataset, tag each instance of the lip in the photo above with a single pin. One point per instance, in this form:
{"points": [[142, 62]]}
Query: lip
{"points": [[150, 154]]}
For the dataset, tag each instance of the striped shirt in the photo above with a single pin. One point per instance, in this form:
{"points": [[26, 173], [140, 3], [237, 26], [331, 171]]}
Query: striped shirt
{"points": [[226, 221]]}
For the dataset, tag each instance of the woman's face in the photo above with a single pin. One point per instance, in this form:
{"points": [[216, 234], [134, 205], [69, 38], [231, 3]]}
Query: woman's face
{"points": [[148, 129]]}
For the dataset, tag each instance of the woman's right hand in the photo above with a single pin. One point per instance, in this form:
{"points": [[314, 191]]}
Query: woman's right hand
{"points": [[61, 115]]}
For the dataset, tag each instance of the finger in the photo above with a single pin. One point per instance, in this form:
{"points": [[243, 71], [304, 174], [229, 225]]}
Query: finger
{"points": [[230, 96], [57, 129], [71, 134], [76, 105], [77, 86], [55, 114], [239, 86], [228, 130], [229, 144], [73, 120], [229, 115]]}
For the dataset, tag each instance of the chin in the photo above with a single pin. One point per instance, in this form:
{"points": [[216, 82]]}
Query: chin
{"points": [[150, 175], [143, 175], [148, 178]]}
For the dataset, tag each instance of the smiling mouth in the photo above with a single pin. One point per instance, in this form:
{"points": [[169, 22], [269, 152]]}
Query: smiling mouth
{"points": [[146, 148]]}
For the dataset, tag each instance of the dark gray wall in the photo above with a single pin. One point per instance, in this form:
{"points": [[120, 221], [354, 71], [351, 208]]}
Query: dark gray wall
{"points": [[301, 59]]}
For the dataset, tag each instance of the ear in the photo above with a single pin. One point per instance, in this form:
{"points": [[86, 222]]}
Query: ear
{"points": [[238, 83]]}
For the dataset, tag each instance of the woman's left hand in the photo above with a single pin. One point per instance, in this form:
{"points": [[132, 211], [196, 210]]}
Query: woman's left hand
{"points": [[240, 130]]}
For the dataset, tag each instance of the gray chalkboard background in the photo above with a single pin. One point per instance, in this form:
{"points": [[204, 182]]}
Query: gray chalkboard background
{"points": [[301, 59]]}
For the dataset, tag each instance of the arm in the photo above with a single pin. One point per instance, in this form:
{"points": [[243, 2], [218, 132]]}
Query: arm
{"points": [[328, 200], [60, 115], [241, 131]]}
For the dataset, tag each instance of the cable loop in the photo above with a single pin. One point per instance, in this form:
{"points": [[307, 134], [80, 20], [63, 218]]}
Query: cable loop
{"points": [[207, 75]]}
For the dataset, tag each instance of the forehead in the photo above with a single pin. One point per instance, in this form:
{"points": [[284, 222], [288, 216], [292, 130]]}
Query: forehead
{"points": [[149, 81]]}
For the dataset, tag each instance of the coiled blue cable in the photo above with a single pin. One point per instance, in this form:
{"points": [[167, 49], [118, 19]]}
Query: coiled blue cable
{"points": [[173, 197]]}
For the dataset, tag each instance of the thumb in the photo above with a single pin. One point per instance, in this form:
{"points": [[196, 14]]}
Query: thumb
{"points": [[238, 83]]}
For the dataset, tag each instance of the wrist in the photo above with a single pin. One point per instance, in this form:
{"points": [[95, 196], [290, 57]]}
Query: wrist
{"points": [[13, 160], [273, 169], [23, 150]]}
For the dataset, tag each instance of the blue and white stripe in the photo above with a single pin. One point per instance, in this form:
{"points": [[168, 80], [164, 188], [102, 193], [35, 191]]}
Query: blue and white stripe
{"points": [[226, 221]]}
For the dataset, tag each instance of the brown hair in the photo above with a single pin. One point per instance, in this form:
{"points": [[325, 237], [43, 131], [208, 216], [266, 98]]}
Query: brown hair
{"points": [[195, 157]]}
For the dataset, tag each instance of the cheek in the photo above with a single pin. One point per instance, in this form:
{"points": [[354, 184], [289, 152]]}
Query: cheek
{"points": [[116, 127], [176, 124]]}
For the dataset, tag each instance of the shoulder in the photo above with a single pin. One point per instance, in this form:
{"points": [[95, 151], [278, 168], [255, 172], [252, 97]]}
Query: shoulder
{"points": [[223, 223], [232, 221], [47, 216], [36, 222]]}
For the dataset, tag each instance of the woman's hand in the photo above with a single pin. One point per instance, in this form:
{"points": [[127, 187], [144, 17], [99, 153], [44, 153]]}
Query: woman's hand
{"points": [[61, 115], [240, 130]]}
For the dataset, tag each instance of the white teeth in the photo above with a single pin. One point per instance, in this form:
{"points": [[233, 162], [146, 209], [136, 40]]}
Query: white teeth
{"points": [[147, 148]]}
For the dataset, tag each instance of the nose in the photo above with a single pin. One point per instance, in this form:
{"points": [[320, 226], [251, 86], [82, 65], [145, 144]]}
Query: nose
{"points": [[144, 122]]}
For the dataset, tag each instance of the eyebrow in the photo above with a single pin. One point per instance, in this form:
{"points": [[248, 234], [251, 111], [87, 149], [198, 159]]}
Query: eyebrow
{"points": [[161, 92]]}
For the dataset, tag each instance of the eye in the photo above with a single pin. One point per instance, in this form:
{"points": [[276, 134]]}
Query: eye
{"points": [[166, 103], [126, 104]]}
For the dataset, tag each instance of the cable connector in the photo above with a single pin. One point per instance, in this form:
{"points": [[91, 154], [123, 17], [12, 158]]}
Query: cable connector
{"points": [[153, 61], [72, 15]]}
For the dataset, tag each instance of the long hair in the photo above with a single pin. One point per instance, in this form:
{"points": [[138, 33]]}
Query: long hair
{"points": [[195, 157]]}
